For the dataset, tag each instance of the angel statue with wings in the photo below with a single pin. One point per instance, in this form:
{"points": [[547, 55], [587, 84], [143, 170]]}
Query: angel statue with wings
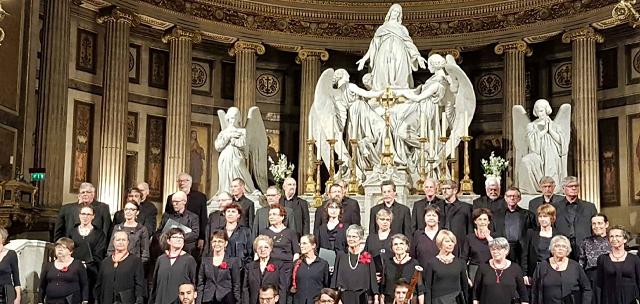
{"points": [[243, 151], [541, 146]]}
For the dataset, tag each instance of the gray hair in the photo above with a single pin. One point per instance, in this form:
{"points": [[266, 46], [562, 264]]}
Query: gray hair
{"points": [[185, 174], [357, 229], [4, 234], [226, 193], [500, 243], [492, 180], [568, 180], [86, 185], [560, 239], [431, 180], [274, 188], [143, 186], [547, 180]]}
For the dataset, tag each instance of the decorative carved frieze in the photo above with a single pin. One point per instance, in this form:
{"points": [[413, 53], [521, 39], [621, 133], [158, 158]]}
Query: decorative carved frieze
{"points": [[585, 33], [241, 46], [118, 14], [512, 46], [155, 23], [177, 32], [219, 38]]}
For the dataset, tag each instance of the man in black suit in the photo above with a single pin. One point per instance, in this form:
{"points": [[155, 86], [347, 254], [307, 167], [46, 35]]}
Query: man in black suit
{"points": [[148, 212], [181, 215], [300, 207], [261, 220], [401, 221], [196, 203], [455, 215], [547, 186], [68, 215], [248, 206], [430, 198], [350, 208], [512, 223], [492, 200], [574, 215]]}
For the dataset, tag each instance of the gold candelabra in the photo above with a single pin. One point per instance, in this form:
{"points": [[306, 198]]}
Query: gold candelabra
{"points": [[421, 165], [317, 197], [466, 184], [354, 187], [332, 167], [387, 100], [452, 163], [310, 184]]}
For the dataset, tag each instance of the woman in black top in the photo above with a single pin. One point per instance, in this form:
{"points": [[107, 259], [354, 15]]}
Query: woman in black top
{"points": [[9, 273], [310, 272], [500, 281], [560, 280], [399, 266], [445, 277], [173, 268], [475, 247], [138, 234], [238, 236], [379, 244], [262, 271], [355, 273], [90, 245], [535, 248], [64, 280], [121, 278], [424, 247], [332, 235], [619, 272], [219, 276]]}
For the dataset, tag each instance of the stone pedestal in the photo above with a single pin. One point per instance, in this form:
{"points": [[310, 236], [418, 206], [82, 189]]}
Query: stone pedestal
{"points": [[115, 97], [52, 114], [178, 132], [245, 83], [514, 92], [585, 113]]}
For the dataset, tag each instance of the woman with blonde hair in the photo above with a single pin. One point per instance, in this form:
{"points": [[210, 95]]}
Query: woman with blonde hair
{"points": [[264, 270], [535, 248], [445, 277]]}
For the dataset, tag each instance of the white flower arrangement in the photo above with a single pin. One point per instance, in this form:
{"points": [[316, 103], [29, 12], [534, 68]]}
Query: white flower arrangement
{"points": [[281, 170], [494, 166]]}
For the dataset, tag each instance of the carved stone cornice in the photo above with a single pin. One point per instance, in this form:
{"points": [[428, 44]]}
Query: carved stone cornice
{"points": [[219, 38], [243, 46], [513, 46], [455, 52], [585, 33], [117, 14], [624, 11], [303, 54], [177, 32]]}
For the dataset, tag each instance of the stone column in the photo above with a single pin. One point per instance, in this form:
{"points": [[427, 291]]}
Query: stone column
{"points": [[310, 61], [514, 93], [245, 83], [53, 91], [113, 122], [585, 110], [176, 159]]}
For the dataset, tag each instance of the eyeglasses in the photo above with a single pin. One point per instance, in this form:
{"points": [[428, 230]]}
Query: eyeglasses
{"points": [[177, 237], [86, 192], [86, 214]]}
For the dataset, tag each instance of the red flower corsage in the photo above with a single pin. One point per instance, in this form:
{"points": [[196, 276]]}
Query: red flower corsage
{"points": [[223, 265], [64, 269], [365, 258], [271, 267], [340, 225]]}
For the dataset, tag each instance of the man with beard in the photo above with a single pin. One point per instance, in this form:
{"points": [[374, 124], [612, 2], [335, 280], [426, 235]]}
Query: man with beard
{"points": [[300, 207]]}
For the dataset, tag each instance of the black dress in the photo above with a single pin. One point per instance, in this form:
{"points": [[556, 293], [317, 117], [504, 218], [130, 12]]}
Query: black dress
{"points": [[125, 283], [500, 286], [380, 249], [560, 287], [240, 245], [219, 284], [9, 274], [423, 248], [446, 283], [619, 281], [393, 272], [474, 252], [334, 239], [60, 287], [535, 249], [357, 283], [167, 277], [91, 250], [310, 279]]}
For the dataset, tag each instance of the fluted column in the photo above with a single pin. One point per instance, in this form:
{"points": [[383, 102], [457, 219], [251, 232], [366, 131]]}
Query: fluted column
{"points": [[310, 61], [514, 92], [52, 95], [113, 122], [245, 83], [585, 110], [176, 157]]}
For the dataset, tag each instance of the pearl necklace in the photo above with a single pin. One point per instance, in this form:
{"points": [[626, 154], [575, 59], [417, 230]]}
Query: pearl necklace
{"points": [[353, 267]]}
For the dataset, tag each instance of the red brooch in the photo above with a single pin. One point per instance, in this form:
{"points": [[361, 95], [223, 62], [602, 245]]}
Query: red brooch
{"points": [[271, 267], [365, 258], [64, 269], [223, 265]]}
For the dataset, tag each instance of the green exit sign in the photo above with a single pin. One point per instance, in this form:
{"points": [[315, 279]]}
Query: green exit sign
{"points": [[36, 177]]}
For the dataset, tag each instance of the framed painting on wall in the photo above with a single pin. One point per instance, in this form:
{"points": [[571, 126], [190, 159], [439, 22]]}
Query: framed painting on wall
{"points": [[154, 172], [134, 63], [633, 63], [158, 69], [634, 159], [132, 127], [81, 144], [86, 51], [9, 137], [609, 165], [199, 156]]}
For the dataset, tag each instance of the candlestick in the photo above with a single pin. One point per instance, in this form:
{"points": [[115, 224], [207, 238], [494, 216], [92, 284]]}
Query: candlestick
{"points": [[319, 154], [332, 167], [353, 188], [443, 159], [317, 197], [466, 123], [423, 124], [421, 165], [432, 142], [466, 184], [310, 184]]}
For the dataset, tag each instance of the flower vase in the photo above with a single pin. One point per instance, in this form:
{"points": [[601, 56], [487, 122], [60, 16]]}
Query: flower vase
{"points": [[498, 177]]}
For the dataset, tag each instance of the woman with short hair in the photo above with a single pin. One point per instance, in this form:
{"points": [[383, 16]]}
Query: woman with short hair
{"points": [[379, 244], [327, 296], [10, 291], [559, 279], [535, 248], [264, 270], [475, 247], [355, 272], [424, 247], [445, 277], [239, 237], [219, 277], [138, 238], [173, 268], [90, 245], [618, 272], [121, 277], [500, 281], [399, 266], [64, 280]]}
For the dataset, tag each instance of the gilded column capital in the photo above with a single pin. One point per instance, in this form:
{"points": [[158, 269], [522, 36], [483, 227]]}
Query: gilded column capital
{"points": [[455, 52], [117, 14], [177, 32], [624, 11], [303, 54], [513, 46], [585, 33], [243, 45]]}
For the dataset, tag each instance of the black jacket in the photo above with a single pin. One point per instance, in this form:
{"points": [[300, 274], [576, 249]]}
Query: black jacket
{"points": [[300, 213], [248, 211], [400, 223], [350, 214], [417, 212], [582, 224], [196, 203], [576, 288], [69, 217], [457, 219], [219, 282], [254, 279], [147, 216], [529, 258]]}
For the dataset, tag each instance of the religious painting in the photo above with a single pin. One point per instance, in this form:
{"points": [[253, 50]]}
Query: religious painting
{"points": [[489, 85], [11, 53], [634, 158], [228, 80], [158, 68], [561, 78], [201, 77], [269, 84], [131, 169], [154, 172], [132, 127], [199, 161], [633, 63], [607, 69], [609, 166], [134, 63], [81, 144], [9, 137], [86, 51]]}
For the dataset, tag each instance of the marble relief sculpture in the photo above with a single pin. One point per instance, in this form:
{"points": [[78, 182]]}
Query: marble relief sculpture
{"points": [[541, 146], [243, 151]]}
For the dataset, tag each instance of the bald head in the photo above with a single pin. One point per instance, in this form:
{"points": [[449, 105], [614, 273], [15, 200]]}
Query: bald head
{"points": [[144, 190]]}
